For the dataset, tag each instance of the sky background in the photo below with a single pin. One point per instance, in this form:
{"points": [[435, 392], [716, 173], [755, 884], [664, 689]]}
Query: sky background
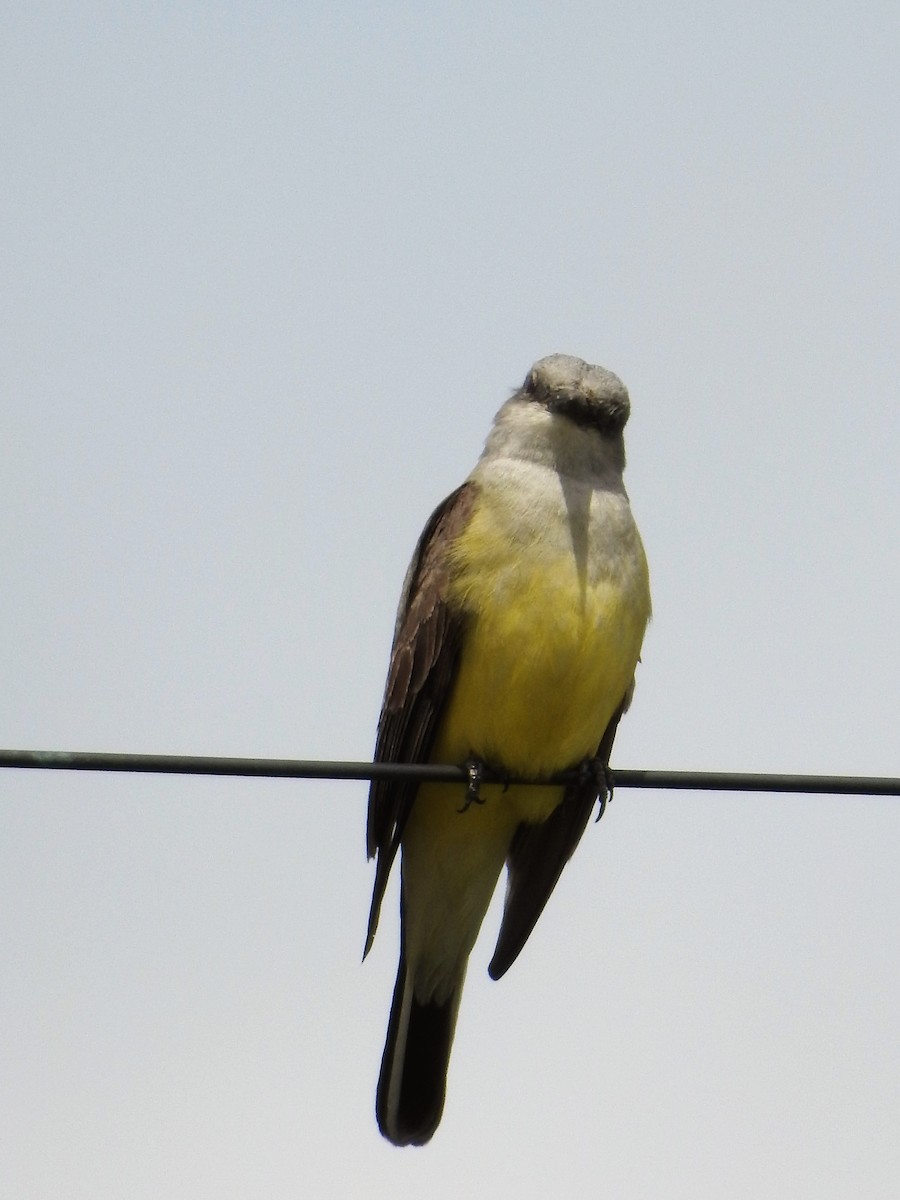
{"points": [[267, 273]]}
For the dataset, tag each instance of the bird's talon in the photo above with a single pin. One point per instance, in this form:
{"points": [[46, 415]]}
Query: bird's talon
{"points": [[475, 773], [596, 773]]}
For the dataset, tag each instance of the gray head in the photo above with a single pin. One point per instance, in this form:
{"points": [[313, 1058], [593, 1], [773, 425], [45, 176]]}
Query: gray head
{"points": [[567, 415], [589, 396]]}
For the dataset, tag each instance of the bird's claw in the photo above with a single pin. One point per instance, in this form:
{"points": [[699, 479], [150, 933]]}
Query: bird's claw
{"points": [[595, 773], [475, 774]]}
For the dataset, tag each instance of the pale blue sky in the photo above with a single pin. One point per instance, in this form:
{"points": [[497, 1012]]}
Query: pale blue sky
{"points": [[268, 271]]}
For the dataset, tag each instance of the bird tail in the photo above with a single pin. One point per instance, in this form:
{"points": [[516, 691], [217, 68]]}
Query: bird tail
{"points": [[413, 1079]]}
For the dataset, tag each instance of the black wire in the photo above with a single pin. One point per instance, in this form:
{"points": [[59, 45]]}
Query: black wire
{"points": [[288, 768]]}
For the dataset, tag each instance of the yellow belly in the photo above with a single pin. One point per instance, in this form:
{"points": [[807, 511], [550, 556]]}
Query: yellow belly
{"points": [[550, 651]]}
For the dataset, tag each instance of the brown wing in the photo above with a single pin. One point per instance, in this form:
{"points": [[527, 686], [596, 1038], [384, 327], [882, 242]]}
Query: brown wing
{"points": [[423, 667], [538, 854]]}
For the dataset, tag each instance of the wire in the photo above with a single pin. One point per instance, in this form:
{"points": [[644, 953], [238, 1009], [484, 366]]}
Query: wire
{"points": [[287, 768]]}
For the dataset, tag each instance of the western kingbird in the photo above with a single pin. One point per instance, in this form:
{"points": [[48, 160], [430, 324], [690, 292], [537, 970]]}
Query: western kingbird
{"points": [[515, 647]]}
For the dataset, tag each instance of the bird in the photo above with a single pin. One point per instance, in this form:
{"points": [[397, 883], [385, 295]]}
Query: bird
{"points": [[517, 636]]}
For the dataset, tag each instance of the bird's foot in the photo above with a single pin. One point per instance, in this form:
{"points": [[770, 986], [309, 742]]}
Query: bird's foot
{"points": [[475, 774], [595, 773]]}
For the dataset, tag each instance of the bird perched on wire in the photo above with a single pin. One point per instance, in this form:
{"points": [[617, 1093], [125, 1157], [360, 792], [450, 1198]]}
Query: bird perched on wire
{"points": [[518, 633]]}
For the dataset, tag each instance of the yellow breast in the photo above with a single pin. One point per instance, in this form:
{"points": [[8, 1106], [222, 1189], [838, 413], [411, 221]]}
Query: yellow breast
{"points": [[557, 601]]}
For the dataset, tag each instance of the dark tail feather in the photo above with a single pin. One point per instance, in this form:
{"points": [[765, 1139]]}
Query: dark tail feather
{"points": [[538, 853], [410, 1097]]}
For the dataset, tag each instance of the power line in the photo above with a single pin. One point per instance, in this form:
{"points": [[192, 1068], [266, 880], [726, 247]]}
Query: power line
{"points": [[288, 768]]}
